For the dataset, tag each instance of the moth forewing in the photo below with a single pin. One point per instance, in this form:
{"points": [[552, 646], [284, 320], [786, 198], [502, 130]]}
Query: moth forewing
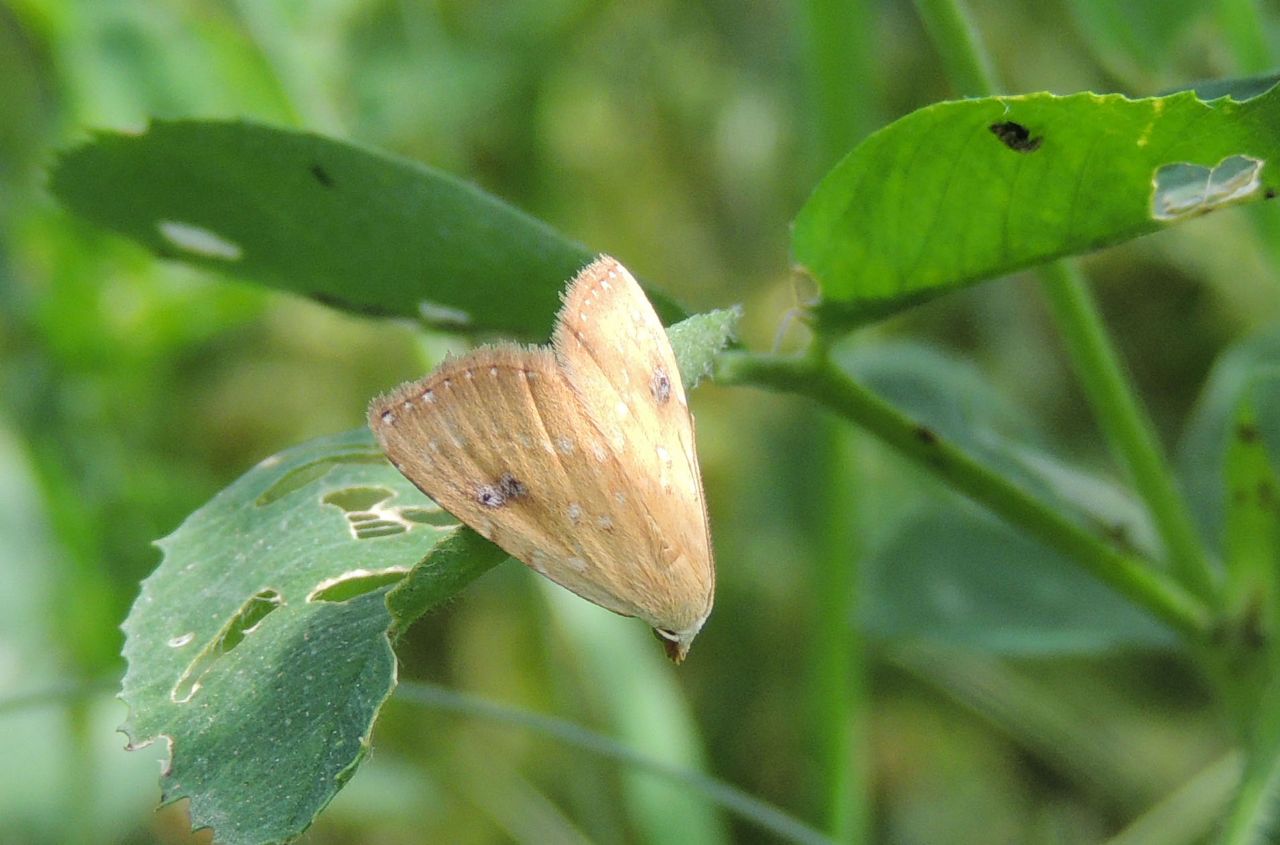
{"points": [[578, 459]]}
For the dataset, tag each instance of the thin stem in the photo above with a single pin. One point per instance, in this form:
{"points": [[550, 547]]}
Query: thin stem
{"points": [[1125, 421], [729, 797], [839, 671], [839, 47], [1111, 394], [1131, 576]]}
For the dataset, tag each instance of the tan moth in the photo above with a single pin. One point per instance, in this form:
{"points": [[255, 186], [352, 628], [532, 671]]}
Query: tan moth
{"points": [[577, 458]]}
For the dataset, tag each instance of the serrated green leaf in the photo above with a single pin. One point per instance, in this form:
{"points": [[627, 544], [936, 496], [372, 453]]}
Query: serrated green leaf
{"points": [[348, 226], [963, 191], [259, 647]]}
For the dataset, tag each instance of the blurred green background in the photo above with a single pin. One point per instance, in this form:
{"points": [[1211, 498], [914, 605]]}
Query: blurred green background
{"points": [[680, 137]]}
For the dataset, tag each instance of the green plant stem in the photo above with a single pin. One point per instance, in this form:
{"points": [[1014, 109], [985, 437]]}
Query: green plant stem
{"points": [[1253, 818], [839, 670], [839, 47], [729, 797], [1125, 421], [818, 379], [1112, 396]]}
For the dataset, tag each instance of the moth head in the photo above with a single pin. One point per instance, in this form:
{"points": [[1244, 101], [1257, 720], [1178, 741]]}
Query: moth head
{"points": [[676, 643]]}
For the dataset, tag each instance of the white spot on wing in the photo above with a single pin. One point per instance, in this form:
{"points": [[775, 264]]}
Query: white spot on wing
{"points": [[575, 511], [199, 241], [577, 564]]}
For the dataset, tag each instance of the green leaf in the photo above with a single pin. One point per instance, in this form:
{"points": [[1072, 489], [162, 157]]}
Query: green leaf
{"points": [[1253, 509], [963, 191], [948, 573], [259, 648], [1203, 449], [952, 399], [961, 577], [328, 219], [697, 340]]}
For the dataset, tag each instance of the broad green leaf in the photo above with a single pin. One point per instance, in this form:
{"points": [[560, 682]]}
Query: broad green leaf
{"points": [[963, 191], [948, 573], [259, 648], [1252, 537], [964, 578], [345, 225]]}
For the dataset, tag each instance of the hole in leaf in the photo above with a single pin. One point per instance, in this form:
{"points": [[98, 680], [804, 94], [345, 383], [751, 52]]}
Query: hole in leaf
{"points": [[358, 498], [245, 620], [368, 517], [301, 476], [1185, 190], [354, 583], [428, 517]]}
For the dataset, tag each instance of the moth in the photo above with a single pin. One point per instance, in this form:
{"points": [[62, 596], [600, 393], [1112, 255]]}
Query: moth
{"points": [[577, 458]]}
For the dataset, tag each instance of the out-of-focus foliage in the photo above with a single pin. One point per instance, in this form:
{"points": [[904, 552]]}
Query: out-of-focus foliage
{"points": [[679, 138]]}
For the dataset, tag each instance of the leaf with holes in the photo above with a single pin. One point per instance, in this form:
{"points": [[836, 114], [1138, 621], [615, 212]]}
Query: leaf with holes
{"points": [[967, 190], [348, 226], [259, 648]]}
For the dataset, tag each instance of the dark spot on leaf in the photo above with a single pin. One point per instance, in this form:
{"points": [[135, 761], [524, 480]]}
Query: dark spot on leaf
{"points": [[1270, 194], [1266, 493], [322, 175], [926, 435], [1016, 137], [1247, 432]]}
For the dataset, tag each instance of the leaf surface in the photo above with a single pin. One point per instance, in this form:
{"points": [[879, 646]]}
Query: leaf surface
{"points": [[967, 190]]}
